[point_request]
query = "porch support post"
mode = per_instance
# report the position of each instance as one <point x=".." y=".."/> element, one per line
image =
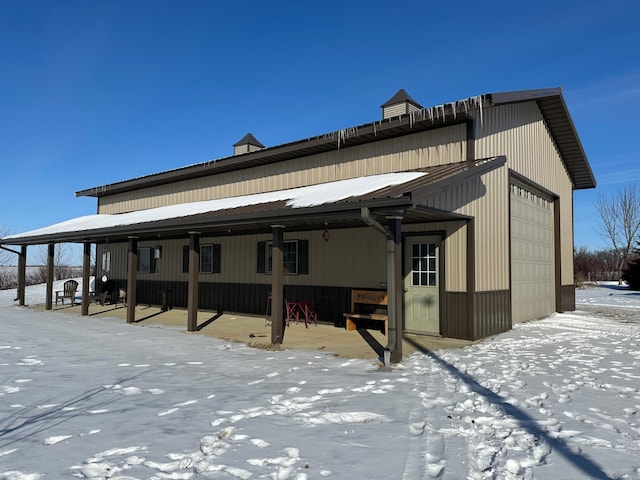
<point x="277" y="286"/>
<point x="132" y="277"/>
<point x="193" y="286"/>
<point x="86" y="271"/>
<point x="394" y="289"/>
<point x="22" y="274"/>
<point x="49" y="297"/>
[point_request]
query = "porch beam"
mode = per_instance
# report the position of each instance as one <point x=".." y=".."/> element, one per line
<point x="22" y="274"/>
<point x="277" y="286"/>
<point x="86" y="271"/>
<point x="132" y="278"/>
<point x="48" y="305"/>
<point x="193" y="286"/>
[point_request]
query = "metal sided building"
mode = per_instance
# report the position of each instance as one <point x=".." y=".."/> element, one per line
<point x="462" y="212"/>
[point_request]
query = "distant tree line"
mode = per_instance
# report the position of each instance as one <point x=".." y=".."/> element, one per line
<point x="597" y="266"/>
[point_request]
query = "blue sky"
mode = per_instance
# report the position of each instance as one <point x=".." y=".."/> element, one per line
<point x="94" y="92"/>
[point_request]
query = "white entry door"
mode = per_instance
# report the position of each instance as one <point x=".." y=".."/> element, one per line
<point x="422" y="284"/>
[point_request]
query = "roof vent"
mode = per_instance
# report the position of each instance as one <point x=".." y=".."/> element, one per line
<point x="246" y="144"/>
<point x="400" y="104"/>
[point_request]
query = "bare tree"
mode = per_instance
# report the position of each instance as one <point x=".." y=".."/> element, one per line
<point x="61" y="267"/>
<point x="620" y="222"/>
<point x="5" y="256"/>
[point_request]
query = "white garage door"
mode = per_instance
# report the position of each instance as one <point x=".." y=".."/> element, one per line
<point x="532" y="255"/>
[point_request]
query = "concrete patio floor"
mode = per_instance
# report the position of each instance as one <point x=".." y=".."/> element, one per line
<point x="254" y="331"/>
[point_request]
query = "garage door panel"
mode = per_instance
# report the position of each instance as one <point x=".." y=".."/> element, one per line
<point x="532" y="256"/>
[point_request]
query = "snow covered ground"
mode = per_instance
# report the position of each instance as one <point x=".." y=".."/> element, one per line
<point x="97" y="398"/>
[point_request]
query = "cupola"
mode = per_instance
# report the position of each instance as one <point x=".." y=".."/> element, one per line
<point x="247" y="144"/>
<point x="400" y="104"/>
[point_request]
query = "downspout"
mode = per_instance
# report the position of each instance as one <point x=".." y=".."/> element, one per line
<point x="392" y="287"/>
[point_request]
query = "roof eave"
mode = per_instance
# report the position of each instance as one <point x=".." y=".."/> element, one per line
<point x="556" y="114"/>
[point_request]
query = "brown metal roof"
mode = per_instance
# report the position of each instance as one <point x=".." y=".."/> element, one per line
<point x="406" y="197"/>
<point x="550" y="101"/>
<point x="248" y="139"/>
<point x="400" y="96"/>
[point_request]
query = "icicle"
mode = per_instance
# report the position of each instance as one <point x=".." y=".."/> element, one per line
<point x="480" y="105"/>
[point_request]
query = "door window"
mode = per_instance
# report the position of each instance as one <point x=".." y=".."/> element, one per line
<point x="424" y="264"/>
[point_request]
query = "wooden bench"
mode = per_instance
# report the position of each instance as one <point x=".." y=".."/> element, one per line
<point x="69" y="289"/>
<point x="368" y="311"/>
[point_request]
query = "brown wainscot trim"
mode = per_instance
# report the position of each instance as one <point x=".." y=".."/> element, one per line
<point x="246" y="298"/>
<point x="492" y="312"/>
<point x="454" y="316"/>
<point x="568" y="298"/>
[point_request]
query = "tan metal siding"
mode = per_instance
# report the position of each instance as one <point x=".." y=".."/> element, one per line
<point x="519" y="132"/>
<point x="454" y="247"/>
<point x="434" y="147"/>
<point x="486" y="200"/>
<point x="394" y="110"/>
<point x="351" y="257"/>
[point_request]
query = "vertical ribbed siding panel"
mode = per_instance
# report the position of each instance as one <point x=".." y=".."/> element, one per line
<point x="455" y="250"/>
<point x="434" y="147"/>
<point x="455" y="316"/>
<point x="519" y="132"/>
<point x="492" y="312"/>
<point x="486" y="200"/>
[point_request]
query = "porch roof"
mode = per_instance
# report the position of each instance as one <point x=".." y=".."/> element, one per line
<point x="334" y="204"/>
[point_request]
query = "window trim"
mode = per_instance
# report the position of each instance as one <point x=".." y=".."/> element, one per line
<point x="216" y="258"/>
<point x="268" y="267"/>
<point x="153" y="265"/>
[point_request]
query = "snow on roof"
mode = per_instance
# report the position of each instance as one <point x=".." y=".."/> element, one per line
<point x="301" y="197"/>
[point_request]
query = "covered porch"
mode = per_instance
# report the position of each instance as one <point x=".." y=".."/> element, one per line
<point x="253" y="331"/>
<point x="382" y="203"/>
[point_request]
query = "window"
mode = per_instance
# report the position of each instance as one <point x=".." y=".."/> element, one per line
<point x="146" y="262"/>
<point x="210" y="256"/>
<point x="295" y="257"/>
<point x="423" y="264"/>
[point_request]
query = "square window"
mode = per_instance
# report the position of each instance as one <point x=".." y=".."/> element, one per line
<point x="289" y="254"/>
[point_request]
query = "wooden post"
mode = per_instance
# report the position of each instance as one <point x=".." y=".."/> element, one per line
<point x="86" y="271"/>
<point x="277" y="283"/>
<point x="49" y="297"/>
<point x="132" y="278"/>
<point x="394" y="287"/>
<point x="22" y="274"/>
<point x="194" y="284"/>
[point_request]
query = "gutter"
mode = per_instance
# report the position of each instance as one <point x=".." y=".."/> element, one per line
<point x="392" y="286"/>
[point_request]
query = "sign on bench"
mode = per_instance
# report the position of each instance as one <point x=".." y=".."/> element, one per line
<point x="368" y="311"/>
